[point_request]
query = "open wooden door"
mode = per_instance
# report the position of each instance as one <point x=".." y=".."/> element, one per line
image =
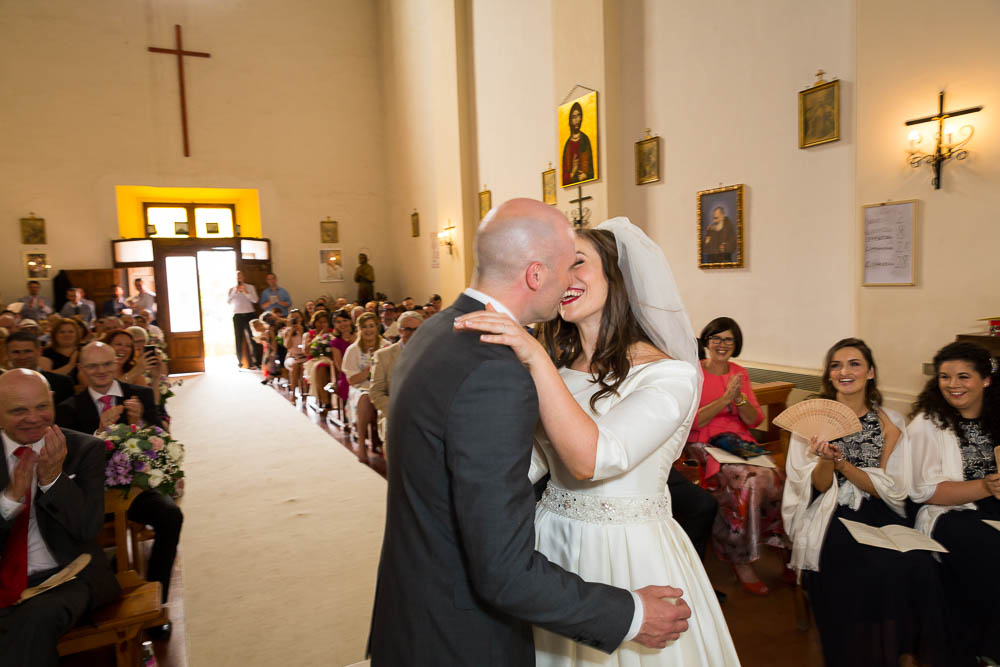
<point x="180" y="308"/>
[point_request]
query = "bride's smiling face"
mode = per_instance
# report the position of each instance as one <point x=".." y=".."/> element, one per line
<point x="588" y="290"/>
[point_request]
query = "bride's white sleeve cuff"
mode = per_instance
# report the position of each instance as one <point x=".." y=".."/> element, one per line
<point x="637" y="618"/>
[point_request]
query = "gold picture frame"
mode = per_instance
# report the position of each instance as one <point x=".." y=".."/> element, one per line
<point x="414" y="224"/>
<point x="329" y="231"/>
<point x="485" y="202"/>
<point x="720" y="240"/>
<point x="578" y="158"/>
<point x="819" y="113"/>
<point x="33" y="230"/>
<point x="549" y="186"/>
<point x="36" y="266"/>
<point x="647" y="160"/>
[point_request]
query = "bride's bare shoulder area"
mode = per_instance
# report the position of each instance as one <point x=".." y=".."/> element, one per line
<point x="644" y="353"/>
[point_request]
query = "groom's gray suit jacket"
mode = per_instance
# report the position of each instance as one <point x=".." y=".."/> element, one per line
<point x="459" y="582"/>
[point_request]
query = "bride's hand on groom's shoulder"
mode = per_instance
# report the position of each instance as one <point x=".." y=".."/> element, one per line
<point x="501" y="329"/>
<point x="665" y="615"/>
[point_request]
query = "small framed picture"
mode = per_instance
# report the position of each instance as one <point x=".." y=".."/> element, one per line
<point x="647" y="160"/>
<point x="181" y="228"/>
<point x="819" y="113"/>
<point x="721" y="228"/>
<point x="549" y="186"/>
<point x="331" y="265"/>
<point x="414" y="224"/>
<point x="36" y="265"/>
<point x="485" y="202"/>
<point x="211" y="228"/>
<point x="328" y="231"/>
<point x="33" y="230"/>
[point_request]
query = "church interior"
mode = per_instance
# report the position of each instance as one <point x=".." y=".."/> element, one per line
<point x="401" y="122"/>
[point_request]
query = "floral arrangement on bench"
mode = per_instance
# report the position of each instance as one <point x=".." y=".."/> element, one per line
<point x="148" y="458"/>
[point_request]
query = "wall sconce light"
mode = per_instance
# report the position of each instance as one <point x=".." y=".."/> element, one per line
<point x="446" y="237"/>
<point x="948" y="142"/>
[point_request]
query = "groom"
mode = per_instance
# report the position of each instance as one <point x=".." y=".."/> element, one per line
<point x="459" y="582"/>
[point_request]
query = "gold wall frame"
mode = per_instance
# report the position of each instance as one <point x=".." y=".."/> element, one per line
<point x="720" y="240"/>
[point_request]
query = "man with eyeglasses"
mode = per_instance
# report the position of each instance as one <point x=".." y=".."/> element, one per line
<point x="105" y="402"/>
<point x="383" y="363"/>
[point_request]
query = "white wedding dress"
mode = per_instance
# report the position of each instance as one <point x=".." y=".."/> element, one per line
<point x="618" y="528"/>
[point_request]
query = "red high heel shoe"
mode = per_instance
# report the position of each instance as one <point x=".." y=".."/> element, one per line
<point x="757" y="587"/>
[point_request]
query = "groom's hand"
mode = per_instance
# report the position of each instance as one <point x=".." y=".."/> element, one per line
<point x="664" y="619"/>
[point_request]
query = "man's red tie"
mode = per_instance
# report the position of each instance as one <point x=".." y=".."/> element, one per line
<point x="106" y="402"/>
<point x="14" y="561"/>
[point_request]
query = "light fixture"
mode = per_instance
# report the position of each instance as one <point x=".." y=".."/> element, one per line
<point x="446" y="237"/>
<point x="948" y="142"/>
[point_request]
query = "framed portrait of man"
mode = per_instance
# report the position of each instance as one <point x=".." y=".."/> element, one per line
<point x="721" y="228"/>
<point x="578" y="144"/>
<point x="331" y="265"/>
<point x="819" y="113"/>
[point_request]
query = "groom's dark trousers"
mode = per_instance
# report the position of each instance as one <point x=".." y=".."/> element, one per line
<point x="459" y="582"/>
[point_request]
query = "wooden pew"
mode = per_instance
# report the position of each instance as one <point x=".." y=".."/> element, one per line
<point x="773" y="397"/>
<point x="120" y="622"/>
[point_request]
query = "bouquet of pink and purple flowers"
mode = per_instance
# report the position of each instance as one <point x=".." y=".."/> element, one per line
<point x="320" y="346"/>
<point x="148" y="458"/>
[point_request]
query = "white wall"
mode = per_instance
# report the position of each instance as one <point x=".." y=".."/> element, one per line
<point x="718" y="81"/>
<point x="289" y="103"/>
<point x="904" y="60"/>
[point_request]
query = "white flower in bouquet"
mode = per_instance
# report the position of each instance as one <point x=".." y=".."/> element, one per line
<point x="132" y="446"/>
<point x="176" y="452"/>
<point x="156" y="478"/>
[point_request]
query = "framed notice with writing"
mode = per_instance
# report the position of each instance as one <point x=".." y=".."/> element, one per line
<point x="889" y="237"/>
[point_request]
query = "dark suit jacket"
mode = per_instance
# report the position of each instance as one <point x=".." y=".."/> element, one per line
<point x="80" y="414"/>
<point x="61" y="385"/>
<point x="459" y="582"/>
<point x="71" y="514"/>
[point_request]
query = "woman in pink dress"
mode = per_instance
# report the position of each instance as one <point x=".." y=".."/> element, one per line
<point x="749" y="496"/>
<point x="345" y="334"/>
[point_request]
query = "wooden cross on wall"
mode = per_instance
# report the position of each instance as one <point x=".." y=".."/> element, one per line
<point x="581" y="214"/>
<point x="180" y="53"/>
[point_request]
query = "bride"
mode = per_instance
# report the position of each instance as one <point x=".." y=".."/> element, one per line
<point x="618" y="390"/>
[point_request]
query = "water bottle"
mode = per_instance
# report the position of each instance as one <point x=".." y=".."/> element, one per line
<point x="148" y="657"/>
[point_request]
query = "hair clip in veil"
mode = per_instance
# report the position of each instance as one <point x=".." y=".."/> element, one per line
<point x="652" y="291"/>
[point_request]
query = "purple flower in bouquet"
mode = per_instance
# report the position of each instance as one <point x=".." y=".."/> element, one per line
<point x="118" y="471"/>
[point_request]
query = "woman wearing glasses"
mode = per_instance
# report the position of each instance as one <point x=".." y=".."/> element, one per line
<point x="749" y="496"/>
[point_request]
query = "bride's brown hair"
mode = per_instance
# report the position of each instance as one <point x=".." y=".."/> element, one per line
<point x="619" y="328"/>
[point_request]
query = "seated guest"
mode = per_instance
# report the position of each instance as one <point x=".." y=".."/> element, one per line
<point x="24" y="351"/>
<point x="749" y="497"/>
<point x="408" y="304"/>
<point x="356" y="312"/>
<point x="357" y="367"/>
<point x="115" y="305"/>
<point x="51" y="511"/>
<point x="107" y="401"/>
<point x="29" y="325"/>
<point x="36" y="307"/>
<point x="345" y="333"/>
<point x="954" y="429"/>
<point x="4" y="334"/>
<point x="129" y="366"/>
<point x="127" y="320"/>
<point x="371" y="307"/>
<point x="872" y="606"/>
<point x="291" y="336"/>
<point x="388" y="326"/>
<point x="339" y="304"/>
<point x="155" y="335"/>
<point x="104" y="324"/>
<point x="319" y="368"/>
<point x="76" y="306"/>
<point x="308" y="310"/>
<point x="9" y="320"/>
<point x="383" y="363"/>
<point x="60" y="356"/>
<point x="435" y="302"/>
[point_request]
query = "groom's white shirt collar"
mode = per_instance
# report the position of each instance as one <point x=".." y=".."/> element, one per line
<point x="486" y="298"/>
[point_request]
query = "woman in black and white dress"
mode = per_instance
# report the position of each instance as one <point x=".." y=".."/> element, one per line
<point x="872" y="606"/>
<point x="955" y="427"/>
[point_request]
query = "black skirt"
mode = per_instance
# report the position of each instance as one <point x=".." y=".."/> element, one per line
<point x="873" y="605"/>
<point x="970" y="575"/>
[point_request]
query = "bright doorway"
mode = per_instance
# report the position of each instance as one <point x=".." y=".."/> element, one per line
<point x="217" y="273"/>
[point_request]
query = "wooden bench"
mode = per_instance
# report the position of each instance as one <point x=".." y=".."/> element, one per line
<point x="773" y="397"/>
<point x="120" y="622"/>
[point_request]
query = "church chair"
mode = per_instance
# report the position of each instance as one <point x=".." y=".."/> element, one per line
<point x="120" y="622"/>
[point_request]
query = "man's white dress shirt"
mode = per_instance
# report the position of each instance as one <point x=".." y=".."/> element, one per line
<point x="39" y="556"/>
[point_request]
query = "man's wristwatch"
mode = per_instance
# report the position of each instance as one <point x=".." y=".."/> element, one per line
<point x="740" y="401"/>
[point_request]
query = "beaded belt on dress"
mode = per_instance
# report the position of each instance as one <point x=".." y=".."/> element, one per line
<point x="603" y="509"/>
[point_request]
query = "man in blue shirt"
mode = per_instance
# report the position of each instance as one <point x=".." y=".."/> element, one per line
<point x="274" y="297"/>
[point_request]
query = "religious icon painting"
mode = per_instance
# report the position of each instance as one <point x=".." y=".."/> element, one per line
<point x="328" y="232"/>
<point x="485" y="202"/>
<point x="819" y="113"/>
<point x="577" y="123"/>
<point x="721" y="228"/>
<point x="414" y="224"/>
<point x="647" y="160"/>
<point x="549" y="186"/>
<point x="33" y="230"/>
<point x="331" y="266"/>
<point x="36" y="265"/>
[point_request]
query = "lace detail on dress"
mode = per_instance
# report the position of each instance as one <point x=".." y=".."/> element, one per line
<point x="976" y="447"/>
<point x="602" y="509"/>
<point x="864" y="448"/>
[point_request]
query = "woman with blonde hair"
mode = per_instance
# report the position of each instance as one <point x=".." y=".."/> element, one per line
<point x="358" y="361"/>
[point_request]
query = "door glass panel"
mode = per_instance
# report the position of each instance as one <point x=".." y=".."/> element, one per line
<point x="253" y="249"/>
<point x="214" y="222"/>
<point x="182" y="294"/>
<point x="171" y="222"/>
<point x="134" y="251"/>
